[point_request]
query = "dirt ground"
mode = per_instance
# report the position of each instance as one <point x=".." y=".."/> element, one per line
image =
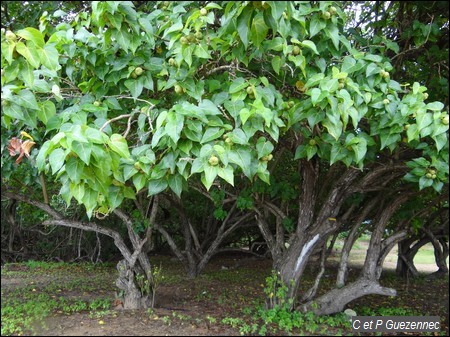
<point x="192" y="307"/>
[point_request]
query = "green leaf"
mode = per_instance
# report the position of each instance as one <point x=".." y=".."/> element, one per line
<point x="337" y="153"/>
<point x="210" y="174"/>
<point x="77" y="191"/>
<point x="435" y="106"/>
<point x="30" y="54"/>
<point x="259" y="29"/>
<point x="139" y="181"/>
<point x="243" y="22"/>
<point x="122" y="37"/>
<point x="425" y="182"/>
<point x="156" y="186"/>
<point x="174" y="125"/>
<point x="211" y="134"/>
<point x="413" y="132"/>
<point x="315" y="94"/>
<point x="242" y="158"/>
<point x="49" y="57"/>
<point x="276" y="64"/>
<point x="56" y="159"/>
<point x="201" y="51"/>
<point x="176" y="184"/>
<point x="74" y="169"/>
<point x="95" y="136"/>
<point x="26" y="99"/>
<point x="310" y="151"/>
<point x="32" y="34"/>
<point x="115" y="196"/>
<point x="238" y="85"/>
<point x="333" y="32"/>
<point x="135" y="86"/>
<point x="360" y="149"/>
<point x="238" y="137"/>
<point x="47" y="111"/>
<point x="316" y="25"/>
<point x="263" y="147"/>
<point x="119" y="145"/>
<point x="311" y="45"/>
<point x="245" y="114"/>
<point x="334" y="129"/>
<point x="83" y="150"/>
<point x="227" y="174"/>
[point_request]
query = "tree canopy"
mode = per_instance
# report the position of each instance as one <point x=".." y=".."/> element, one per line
<point x="124" y="100"/>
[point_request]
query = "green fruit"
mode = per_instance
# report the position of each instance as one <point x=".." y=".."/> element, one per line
<point x="425" y="95"/>
<point x="229" y="141"/>
<point x="133" y="75"/>
<point x="407" y="126"/>
<point x="139" y="71"/>
<point x="433" y="176"/>
<point x="178" y="89"/>
<point x="191" y="37"/>
<point x="250" y="90"/>
<point x="203" y="11"/>
<point x="341" y="85"/>
<point x="312" y="142"/>
<point x="97" y="103"/>
<point x="296" y="50"/>
<point x="291" y="104"/>
<point x="428" y="175"/>
<point x="183" y="40"/>
<point x="270" y="157"/>
<point x="326" y="15"/>
<point x="213" y="161"/>
<point x="10" y="36"/>
<point x="199" y="35"/>
<point x="332" y="10"/>
<point x="386" y="101"/>
<point x="445" y="120"/>
<point x="172" y="62"/>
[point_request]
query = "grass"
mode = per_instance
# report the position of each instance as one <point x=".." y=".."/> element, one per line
<point x="47" y="288"/>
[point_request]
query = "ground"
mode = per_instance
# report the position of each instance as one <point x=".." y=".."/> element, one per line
<point x="79" y="300"/>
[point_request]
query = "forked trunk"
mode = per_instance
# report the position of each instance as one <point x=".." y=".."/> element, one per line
<point x="134" y="285"/>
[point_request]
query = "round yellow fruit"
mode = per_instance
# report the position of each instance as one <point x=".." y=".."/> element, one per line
<point x="203" y="11"/>
<point x="178" y="89"/>
<point x="96" y="103"/>
<point x="10" y="36"/>
<point x="213" y="161"/>
<point x="139" y="71"/>
<point x="326" y="15"/>
<point x="296" y="50"/>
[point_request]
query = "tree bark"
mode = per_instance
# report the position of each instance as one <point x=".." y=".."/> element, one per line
<point x="336" y="299"/>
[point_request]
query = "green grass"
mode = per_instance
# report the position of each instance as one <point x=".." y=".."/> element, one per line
<point x="47" y="288"/>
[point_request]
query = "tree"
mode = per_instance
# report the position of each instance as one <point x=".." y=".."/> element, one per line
<point x="117" y="103"/>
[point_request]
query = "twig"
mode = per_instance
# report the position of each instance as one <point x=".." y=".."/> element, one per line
<point x="113" y="120"/>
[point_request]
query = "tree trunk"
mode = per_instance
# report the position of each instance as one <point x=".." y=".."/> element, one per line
<point x="336" y="299"/>
<point x="135" y="288"/>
